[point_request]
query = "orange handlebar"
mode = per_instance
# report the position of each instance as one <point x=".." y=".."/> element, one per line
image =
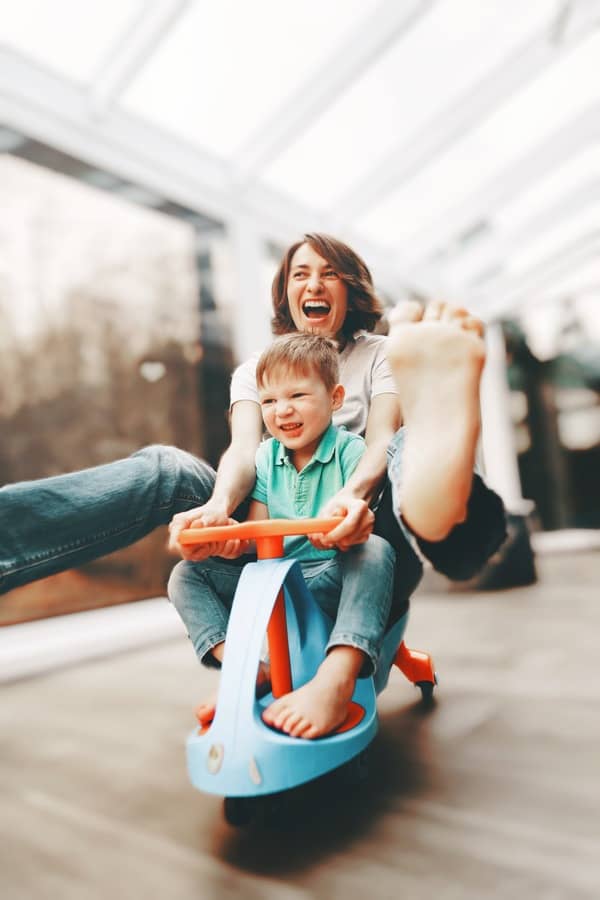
<point x="259" y="529"/>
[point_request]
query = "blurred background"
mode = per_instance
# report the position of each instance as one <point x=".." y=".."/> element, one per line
<point x="156" y="157"/>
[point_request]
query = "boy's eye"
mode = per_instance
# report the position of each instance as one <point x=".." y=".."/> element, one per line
<point x="297" y="395"/>
<point x="267" y="401"/>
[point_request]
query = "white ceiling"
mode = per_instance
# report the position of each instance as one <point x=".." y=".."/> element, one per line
<point x="456" y="143"/>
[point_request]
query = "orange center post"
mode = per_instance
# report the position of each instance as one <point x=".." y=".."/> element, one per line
<point x="268" y="535"/>
<point x="279" y="651"/>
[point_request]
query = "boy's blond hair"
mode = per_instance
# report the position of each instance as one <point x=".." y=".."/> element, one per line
<point x="300" y="353"/>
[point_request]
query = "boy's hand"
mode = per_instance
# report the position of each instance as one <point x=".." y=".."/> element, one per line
<point x="355" y="529"/>
<point x="202" y="517"/>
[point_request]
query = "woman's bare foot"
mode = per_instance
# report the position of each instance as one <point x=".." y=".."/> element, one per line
<point x="205" y="712"/>
<point x="321" y="705"/>
<point x="437" y="357"/>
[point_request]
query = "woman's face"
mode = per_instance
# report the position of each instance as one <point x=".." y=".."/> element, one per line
<point x="317" y="295"/>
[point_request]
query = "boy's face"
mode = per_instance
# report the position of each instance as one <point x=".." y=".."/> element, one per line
<point x="297" y="407"/>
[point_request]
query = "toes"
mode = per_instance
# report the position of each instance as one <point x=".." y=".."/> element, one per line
<point x="311" y="733"/>
<point x="205" y="713"/>
<point x="285" y="721"/>
<point x="295" y="725"/>
<point x="276" y="714"/>
<point x="434" y="311"/>
<point x="440" y="311"/>
<point x="306" y="730"/>
<point x="455" y="314"/>
<point x="470" y="323"/>
<point x="407" y="311"/>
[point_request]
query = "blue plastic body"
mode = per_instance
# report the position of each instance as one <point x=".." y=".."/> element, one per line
<point x="241" y="756"/>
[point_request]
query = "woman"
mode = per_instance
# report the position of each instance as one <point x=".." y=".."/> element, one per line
<point x="442" y="510"/>
<point x="436" y="359"/>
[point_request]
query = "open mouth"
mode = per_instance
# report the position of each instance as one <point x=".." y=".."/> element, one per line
<point x="291" y="427"/>
<point x="316" y="309"/>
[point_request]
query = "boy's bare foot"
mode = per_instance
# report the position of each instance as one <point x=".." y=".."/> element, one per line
<point x="205" y="712"/>
<point x="437" y="357"/>
<point x="321" y="705"/>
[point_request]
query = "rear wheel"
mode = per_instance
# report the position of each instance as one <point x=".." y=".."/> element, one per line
<point x="356" y="770"/>
<point x="268" y="809"/>
<point x="427" y="688"/>
<point x="239" y="811"/>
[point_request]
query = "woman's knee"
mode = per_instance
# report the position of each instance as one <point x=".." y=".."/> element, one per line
<point x="181" y="479"/>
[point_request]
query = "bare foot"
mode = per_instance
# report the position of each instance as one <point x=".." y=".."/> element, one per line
<point x="437" y="357"/>
<point x="321" y="705"/>
<point x="205" y="712"/>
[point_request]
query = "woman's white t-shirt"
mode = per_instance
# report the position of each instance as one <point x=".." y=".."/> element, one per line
<point x="364" y="372"/>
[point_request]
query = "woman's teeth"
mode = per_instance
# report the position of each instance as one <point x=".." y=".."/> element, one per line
<point x="315" y="308"/>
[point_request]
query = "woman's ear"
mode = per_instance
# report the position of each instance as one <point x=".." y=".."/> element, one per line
<point x="337" y="396"/>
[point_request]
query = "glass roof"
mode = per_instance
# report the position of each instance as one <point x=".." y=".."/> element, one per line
<point x="404" y="91"/>
<point x="452" y="138"/>
<point x="221" y="72"/>
<point x="67" y="36"/>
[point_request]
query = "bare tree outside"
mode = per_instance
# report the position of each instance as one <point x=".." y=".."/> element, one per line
<point x="100" y="348"/>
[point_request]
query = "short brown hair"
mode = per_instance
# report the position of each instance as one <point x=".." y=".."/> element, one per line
<point x="301" y="353"/>
<point x="364" y="307"/>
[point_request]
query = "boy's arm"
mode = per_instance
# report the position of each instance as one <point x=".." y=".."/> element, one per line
<point x="352" y="501"/>
<point x="235" y="478"/>
<point x="257" y="511"/>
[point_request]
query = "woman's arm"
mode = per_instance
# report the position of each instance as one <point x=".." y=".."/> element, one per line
<point x="235" y="479"/>
<point x="353" y="500"/>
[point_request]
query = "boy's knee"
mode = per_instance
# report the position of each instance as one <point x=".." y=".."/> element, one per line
<point x="380" y="549"/>
<point x="177" y="578"/>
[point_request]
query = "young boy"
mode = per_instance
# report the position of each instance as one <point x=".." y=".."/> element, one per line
<point x="304" y="463"/>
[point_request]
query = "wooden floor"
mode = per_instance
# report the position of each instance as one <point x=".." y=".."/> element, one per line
<point x="493" y="794"/>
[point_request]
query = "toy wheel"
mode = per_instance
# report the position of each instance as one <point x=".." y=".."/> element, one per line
<point x="239" y="811"/>
<point x="274" y="809"/>
<point x="427" y="688"/>
<point x="356" y="770"/>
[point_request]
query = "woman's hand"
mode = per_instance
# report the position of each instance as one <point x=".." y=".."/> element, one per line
<point x="203" y="517"/>
<point x="355" y="529"/>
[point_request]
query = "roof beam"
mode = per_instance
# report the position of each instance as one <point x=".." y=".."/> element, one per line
<point x="464" y="115"/>
<point x="132" y="50"/>
<point x="569" y="138"/>
<point x="491" y="251"/>
<point x="367" y="42"/>
<point x="503" y="294"/>
<point x="51" y="109"/>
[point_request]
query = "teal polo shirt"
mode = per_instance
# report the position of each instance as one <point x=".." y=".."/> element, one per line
<point x="289" y="494"/>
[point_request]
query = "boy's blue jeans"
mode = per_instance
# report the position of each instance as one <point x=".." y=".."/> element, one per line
<point x="53" y="524"/>
<point x="353" y="588"/>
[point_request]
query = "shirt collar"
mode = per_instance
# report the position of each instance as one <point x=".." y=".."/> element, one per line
<point x="323" y="453"/>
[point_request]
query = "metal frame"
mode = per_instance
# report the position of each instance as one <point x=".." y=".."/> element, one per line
<point x="89" y="125"/>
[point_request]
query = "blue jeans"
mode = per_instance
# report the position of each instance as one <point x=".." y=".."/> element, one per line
<point x="354" y="589"/>
<point x="53" y="524"/>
